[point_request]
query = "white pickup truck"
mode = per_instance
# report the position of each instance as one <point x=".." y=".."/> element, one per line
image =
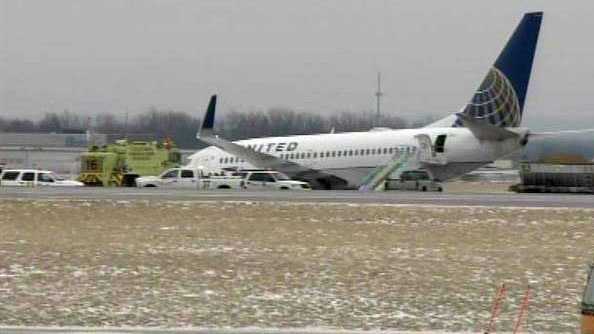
<point x="190" y="179"/>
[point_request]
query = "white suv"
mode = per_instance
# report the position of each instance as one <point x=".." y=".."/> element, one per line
<point x="270" y="180"/>
<point x="33" y="178"/>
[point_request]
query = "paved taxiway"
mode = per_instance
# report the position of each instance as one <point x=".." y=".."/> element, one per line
<point x="394" y="197"/>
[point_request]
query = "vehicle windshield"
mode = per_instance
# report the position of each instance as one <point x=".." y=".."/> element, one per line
<point x="169" y="174"/>
<point x="281" y="177"/>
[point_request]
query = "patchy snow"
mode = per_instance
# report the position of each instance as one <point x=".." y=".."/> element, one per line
<point x="288" y="265"/>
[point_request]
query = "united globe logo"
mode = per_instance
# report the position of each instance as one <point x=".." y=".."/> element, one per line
<point x="495" y="102"/>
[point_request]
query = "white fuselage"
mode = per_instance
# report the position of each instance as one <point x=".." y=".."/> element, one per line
<point x="353" y="155"/>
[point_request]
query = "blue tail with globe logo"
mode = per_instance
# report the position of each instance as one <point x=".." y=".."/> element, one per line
<point x="499" y="100"/>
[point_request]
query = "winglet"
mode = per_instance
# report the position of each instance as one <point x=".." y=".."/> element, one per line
<point x="208" y="122"/>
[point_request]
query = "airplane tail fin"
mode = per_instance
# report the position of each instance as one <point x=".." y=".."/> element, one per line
<point x="499" y="100"/>
<point x="208" y="122"/>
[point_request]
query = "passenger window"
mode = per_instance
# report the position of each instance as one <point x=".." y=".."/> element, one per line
<point x="315" y="155"/>
<point x="308" y="155"/>
<point x="339" y="153"/>
<point x="367" y="151"/>
<point x="385" y="150"/>
<point x="187" y="173"/>
<point x="10" y="176"/>
<point x="44" y="177"/>
<point x="28" y="177"/>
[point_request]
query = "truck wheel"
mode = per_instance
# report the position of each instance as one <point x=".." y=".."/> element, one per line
<point x="424" y="188"/>
<point x="150" y="186"/>
<point x="284" y="188"/>
<point x="224" y="187"/>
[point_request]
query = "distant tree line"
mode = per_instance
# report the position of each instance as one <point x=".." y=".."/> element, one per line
<point x="181" y="127"/>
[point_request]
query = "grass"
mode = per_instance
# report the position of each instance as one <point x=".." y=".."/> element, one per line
<point x="99" y="263"/>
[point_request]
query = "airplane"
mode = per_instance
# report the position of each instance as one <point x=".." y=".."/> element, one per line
<point x="484" y="130"/>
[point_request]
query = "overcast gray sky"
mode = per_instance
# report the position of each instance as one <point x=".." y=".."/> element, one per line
<point x="321" y="56"/>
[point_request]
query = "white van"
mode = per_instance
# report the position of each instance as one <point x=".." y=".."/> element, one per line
<point x="33" y="178"/>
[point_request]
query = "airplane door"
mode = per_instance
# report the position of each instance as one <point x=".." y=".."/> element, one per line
<point x="440" y="144"/>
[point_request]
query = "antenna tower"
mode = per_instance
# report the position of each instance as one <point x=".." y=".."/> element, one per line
<point x="378" y="95"/>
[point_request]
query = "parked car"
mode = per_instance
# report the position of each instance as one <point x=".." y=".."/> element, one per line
<point x="34" y="178"/>
<point x="418" y="180"/>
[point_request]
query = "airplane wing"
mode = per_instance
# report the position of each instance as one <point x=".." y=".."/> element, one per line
<point x="263" y="160"/>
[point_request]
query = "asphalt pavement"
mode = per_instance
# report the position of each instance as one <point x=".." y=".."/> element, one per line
<point x="316" y="196"/>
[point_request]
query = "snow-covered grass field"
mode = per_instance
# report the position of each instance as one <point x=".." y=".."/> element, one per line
<point x="248" y="264"/>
